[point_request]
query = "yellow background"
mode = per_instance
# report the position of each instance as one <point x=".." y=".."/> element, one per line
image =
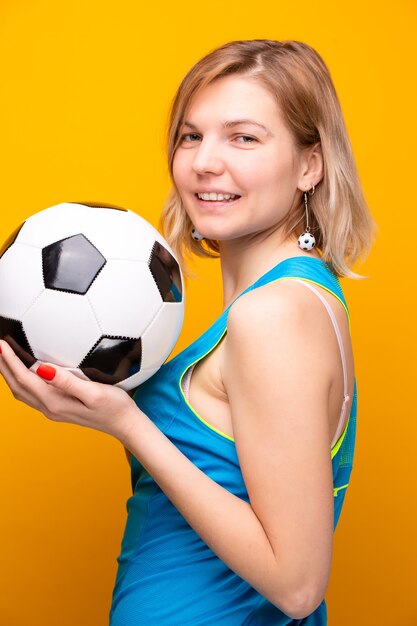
<point x="84" y="94"/>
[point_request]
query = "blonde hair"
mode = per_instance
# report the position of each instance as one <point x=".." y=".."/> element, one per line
<point x="300" y="81"/>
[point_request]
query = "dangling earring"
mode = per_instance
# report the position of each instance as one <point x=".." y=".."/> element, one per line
<point x="196" y="235"/>
<point x="306" y="240"/>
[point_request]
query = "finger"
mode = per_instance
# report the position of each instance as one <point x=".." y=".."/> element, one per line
<point x="7" y="354"/>
<point x="13" y="375"/>
<point x="18" y="391"/>
<point x="9" y="379"/>
<point x="85" y="391"/>
<point x="65" y="383"/>
<point x="14" y="367"/>
<point x="27" y="387"/>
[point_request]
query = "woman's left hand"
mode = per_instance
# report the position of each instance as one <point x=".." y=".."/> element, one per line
<point x="67" y="398"/>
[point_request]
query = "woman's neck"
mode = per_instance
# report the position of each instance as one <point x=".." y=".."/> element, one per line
<point x="243" y="262"/>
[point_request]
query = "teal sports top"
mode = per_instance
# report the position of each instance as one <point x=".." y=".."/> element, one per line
<point x="167" y="575"/>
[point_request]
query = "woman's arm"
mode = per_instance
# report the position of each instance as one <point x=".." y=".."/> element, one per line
<point x="128" y="455"/>
<point x="277" y="385"/>
<point x="280" y="361"/>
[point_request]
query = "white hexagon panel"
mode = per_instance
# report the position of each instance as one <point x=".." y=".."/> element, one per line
<point x="158" y="339"/>
<point x="20" y="279"/>
<point x="61" y="328"/>
<point x="95" y="289"/>
<point x="129" y="306"/>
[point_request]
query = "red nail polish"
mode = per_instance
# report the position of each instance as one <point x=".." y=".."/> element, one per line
<point x="0" y="349"/>
<point x="46" y="371"/>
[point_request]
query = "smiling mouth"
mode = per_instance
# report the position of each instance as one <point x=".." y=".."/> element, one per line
<point x="217" y="198"/>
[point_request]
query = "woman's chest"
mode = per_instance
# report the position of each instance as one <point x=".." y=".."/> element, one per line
<point x="206" y="391"/>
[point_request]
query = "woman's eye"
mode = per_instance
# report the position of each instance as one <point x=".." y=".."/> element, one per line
<point x="246" y="139"/>
<point x="190" y="137"/>
<point x="194" y="137"/>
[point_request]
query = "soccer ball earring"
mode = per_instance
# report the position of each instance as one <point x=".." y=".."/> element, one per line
<point x="306" y="240"/>
<point x="196" y="235"/>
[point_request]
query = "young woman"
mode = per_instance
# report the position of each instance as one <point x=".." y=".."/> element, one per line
<point x="242" y="445"/>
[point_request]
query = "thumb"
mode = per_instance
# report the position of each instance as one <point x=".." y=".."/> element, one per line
<point x="47" y="372"/>
<point x="67" y="382"/>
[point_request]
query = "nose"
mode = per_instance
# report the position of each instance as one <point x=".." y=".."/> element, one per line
<point x="208" y="158"/>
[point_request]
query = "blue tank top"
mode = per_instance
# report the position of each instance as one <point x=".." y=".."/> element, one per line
<point x="167" y="576"/>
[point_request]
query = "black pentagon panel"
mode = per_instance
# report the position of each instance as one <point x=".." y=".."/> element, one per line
<point x="12" y="332"/>
<point x="71" y="264"/>
<point x="166" y="273"/>
<point x="10" y="240"/>
<point x="100" y="206"/>
<point x="113" y="359"/>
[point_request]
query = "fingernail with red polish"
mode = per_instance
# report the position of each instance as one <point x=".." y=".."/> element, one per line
<point x="46" y="371"/>
<point x="0" y="349"/>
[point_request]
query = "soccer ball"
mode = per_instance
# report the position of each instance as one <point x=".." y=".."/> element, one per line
<point x="306" y="241"/>
<point x="94" y="289"/>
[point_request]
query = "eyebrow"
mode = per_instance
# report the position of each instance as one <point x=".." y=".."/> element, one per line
<point x="232" y="123"/>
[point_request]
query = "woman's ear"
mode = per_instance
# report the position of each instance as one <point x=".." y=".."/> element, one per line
<point x="312" y="167"/>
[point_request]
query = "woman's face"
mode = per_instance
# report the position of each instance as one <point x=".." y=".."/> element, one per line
<point x="235" y="142"/>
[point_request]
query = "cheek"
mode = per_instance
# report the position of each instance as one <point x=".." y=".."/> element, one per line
<point x="267" y="172"/>
<point x="175" y="171"/>
<point x="178" y="169"/>
<point x="271" y="162"/>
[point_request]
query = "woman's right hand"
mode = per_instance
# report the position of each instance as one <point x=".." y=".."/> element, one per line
<point x="63" y="397"/>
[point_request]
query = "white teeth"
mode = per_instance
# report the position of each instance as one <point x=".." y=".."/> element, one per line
<point x="216" y="196"/>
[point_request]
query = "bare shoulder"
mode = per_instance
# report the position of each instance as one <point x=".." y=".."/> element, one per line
<point x="282" y="310"/>
<point x="280" y="337"/>
<point x="283" y="301"/>
<point x="283" y="329"/>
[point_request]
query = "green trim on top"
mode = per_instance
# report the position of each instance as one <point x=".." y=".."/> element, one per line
<point x="339" y="442"/>
<point x="336" y="447"/>
<point x="219" y="432"/>
<point x="337" y="489"/>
